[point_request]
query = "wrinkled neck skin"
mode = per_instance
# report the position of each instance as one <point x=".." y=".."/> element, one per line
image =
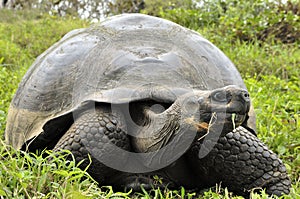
<point x="158" y="129"/>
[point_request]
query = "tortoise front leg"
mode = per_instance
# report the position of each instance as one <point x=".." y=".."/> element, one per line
<point x="241" y="162"/>
<point x="97" y="132"/>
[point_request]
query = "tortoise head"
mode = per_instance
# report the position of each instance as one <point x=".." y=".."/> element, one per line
<point x="225" y="108"/>
<point x="228" y="106"/>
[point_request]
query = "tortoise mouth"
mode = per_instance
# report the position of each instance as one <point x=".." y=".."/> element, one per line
<point x="208" y="119"/>
<point x="226" y="117"/>
<point x="214" y="118"/>
<point x="234" y="112"/>
<point x="237" y="118"/>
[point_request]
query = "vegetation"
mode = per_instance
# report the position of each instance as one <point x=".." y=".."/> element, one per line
<point x="260" y="37"/>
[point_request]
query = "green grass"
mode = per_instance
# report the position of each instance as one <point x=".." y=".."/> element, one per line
<point x="270" y="70"/>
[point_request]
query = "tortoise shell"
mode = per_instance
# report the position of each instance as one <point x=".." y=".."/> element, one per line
<point x="126" y="58"/>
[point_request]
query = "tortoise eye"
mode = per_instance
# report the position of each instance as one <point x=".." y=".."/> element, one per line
<point x="220" y="96"/>
<point x="200" y="100"/>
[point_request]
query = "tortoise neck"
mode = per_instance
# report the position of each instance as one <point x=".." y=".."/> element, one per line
<point x="158" y="129"/>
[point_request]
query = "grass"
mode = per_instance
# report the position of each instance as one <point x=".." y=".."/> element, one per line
<point x="270" y="70"/>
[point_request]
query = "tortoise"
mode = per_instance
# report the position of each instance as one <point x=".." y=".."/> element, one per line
<point x="146" y="99"/>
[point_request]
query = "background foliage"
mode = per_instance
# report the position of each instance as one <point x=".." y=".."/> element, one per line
<point x="260" y="36"/>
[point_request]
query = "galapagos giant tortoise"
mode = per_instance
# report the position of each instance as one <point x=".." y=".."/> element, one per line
<point x="145" y="98"/>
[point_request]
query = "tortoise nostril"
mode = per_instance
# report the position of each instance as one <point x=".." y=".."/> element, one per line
<point x="245" y="96"/>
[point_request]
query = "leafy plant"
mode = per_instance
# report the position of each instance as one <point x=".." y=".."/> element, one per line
<point x="248" y="21"/>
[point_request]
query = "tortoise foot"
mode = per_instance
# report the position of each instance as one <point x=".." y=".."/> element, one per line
<point x="137" y="182"/>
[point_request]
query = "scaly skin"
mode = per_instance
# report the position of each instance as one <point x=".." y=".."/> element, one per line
<point x="91" y="133"/>
<point x="241" y="162"/>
